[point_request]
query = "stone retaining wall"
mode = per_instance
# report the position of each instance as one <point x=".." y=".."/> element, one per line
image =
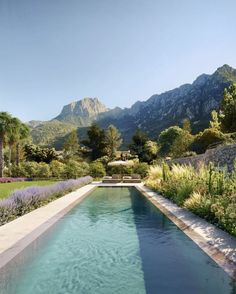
<point x="221" y="156"/>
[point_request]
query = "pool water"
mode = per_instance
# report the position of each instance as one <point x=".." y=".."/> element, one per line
<point x="116" y="241"/>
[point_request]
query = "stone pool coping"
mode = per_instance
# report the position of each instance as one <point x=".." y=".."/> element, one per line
<point x="218" y="244"/>
<point x="16" y="235"/>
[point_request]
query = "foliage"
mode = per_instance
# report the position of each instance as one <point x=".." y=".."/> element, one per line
<point x="186" y="126"/>
<point x="137" y="145"/>
<point x="104" y="160"/>
<point x="71" y="145"/>
<point x="121" y="169"/>
<point x="57" y="168"/>
<point x="208" y="192"/>
<point x="40" y="154"/>
<point x="167" y="139"/>
<point x="11" y="132"/>
<point x="189" y="153"/>
<point x="96" y="141"/>
<point x="112" y="141"/>
<point x="43" y="170"/>
<point x="25" y="200"/>
<point x="28" y="169"/>
<point x="74" y="169"/>
<point x="150" y="151"/>
<point x="215" y="123"/>
<point x="181" y="144"/>
<point x="228" y="110"/>
<point x="207" y="138"/>
<point x="51" y="133"/>
<point x="138" y="168"/>
<point x="97" y="170"/>
<point x="141" y="169"/>
<point x="200" y="205"/>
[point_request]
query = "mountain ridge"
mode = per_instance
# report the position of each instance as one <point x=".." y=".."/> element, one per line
<point x="194" y="101"/>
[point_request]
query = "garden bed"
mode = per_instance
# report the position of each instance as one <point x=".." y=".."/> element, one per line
<point x="208" y="192"/>
<point x="25" y="200"/>
<point x="7" y="188"/>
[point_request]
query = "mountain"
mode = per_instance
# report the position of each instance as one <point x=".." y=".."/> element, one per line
<point x="194" y="101"/>
<point x="83" y="112"/>
<point x="74" y="115"/>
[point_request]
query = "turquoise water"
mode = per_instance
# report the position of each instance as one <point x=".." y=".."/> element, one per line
<point x="115" y="241"/>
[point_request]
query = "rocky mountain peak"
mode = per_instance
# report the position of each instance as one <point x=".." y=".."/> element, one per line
<point x="82" y="112"/>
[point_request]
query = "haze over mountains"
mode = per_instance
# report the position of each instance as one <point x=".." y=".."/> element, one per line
<point x="194" y="101"/>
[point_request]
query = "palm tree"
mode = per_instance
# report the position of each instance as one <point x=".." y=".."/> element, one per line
<point x="13" y="135"/>
<point x="23" y="134"/>
<point x="5" y="127"/>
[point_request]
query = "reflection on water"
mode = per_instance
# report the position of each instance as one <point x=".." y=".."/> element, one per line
<point x="115" y="241"/>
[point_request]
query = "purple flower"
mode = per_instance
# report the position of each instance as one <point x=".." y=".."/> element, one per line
<point x="25" y="200"/>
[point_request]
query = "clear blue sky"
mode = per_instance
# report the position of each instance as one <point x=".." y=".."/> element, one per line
<point x="53" y="52"/>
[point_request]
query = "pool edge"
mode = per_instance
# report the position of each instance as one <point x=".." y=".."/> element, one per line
<point x="190" y="224"/>
<point x="14" y="248"/>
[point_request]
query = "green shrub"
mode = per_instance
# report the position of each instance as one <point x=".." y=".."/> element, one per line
<point x="57" y="168"/>
<point x="43" y="170"/>
<point x="200" y="205"/>
<point x="30" y="168"/>
<point x="97" y="170"/>
<point x="18" y="171"/>
<point x="141" y="168"/>
<point x="208" y="192"/>
<point x="121" y="169"/>
<point x="224" y="210"/>
<point x="74" y="169"/>
<point x="207" y="138"/>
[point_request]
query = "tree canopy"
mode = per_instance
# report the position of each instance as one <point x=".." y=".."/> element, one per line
<point x="137" y="145"/>
<point x="112" y="141"/>
<point x="228" y="110"/>
<point x="96" y="141"/>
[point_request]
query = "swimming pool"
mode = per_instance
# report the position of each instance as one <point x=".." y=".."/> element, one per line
<point x="115" y="241"/>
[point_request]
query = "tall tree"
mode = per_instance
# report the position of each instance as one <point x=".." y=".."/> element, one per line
<point x="96" y="141"/>
<point x="137" y="145"/>
<point x="13" y="135"/>
<point x="151" y="149"/>
<point x="71" y="145"/>
<point x="5" y="128"/>
<point x="228" y="110"/>
<point x="23" y="134"/>
<point x="113" y="141"/>
<point x="167" y="139"/>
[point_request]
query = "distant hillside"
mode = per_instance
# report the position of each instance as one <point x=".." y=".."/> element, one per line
<point x="194" y="101"/>
<point x="51" y="133"/>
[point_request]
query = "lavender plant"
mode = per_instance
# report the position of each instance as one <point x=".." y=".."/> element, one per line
<point x="26" y="200"/>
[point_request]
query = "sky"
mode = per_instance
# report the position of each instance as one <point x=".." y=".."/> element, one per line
<point x="53" y="52"/>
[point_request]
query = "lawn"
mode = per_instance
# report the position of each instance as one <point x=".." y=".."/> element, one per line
<point x="7" y="188"/>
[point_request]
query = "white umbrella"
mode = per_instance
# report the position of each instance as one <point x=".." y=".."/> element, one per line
<point x="121" y="162"/>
